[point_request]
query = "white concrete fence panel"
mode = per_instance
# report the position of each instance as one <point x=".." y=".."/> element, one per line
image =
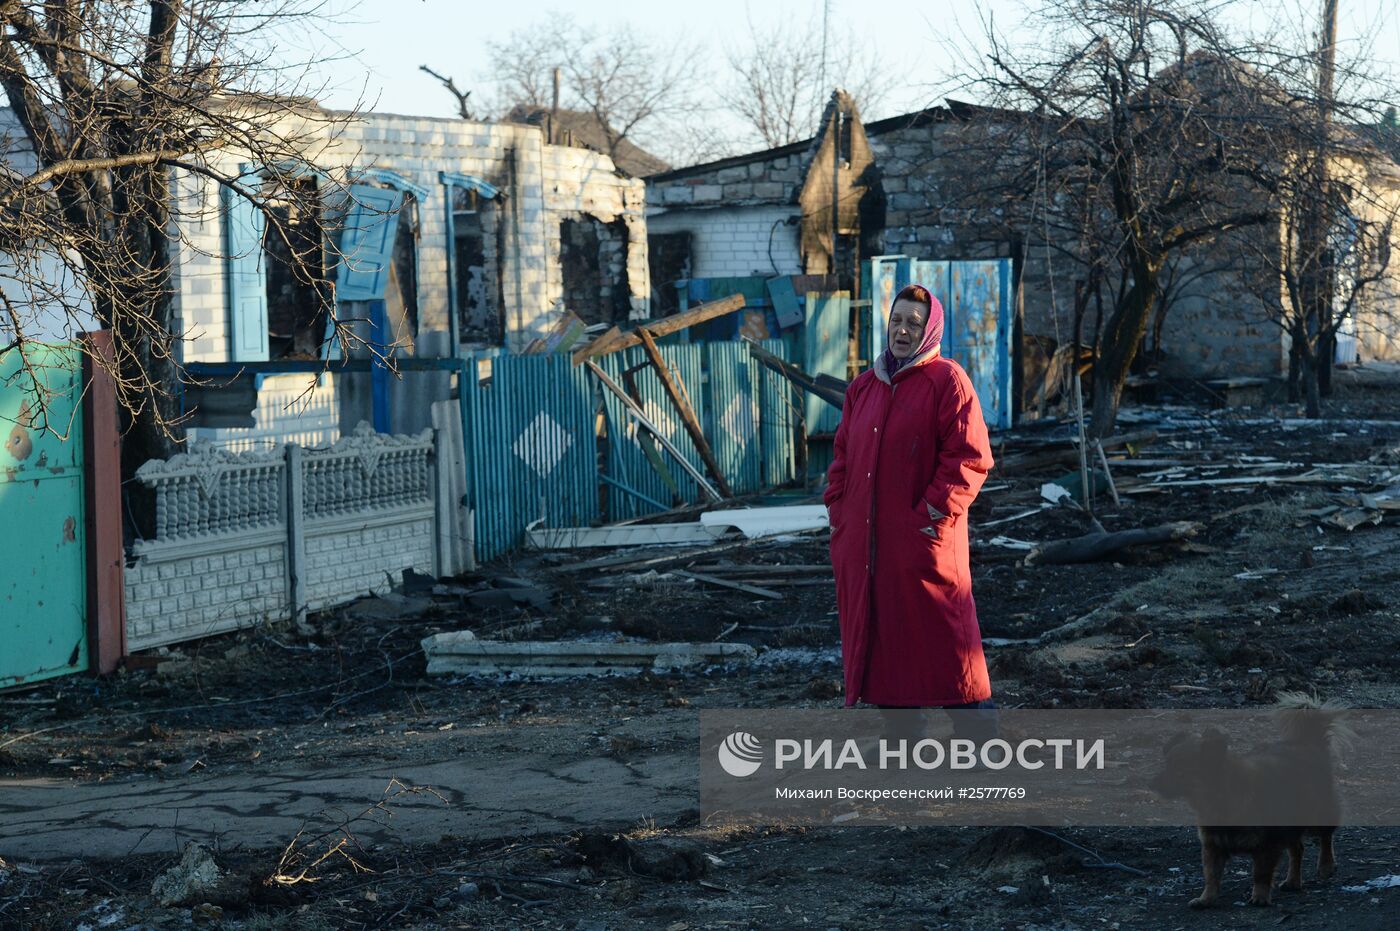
<point x="248" y="538"/>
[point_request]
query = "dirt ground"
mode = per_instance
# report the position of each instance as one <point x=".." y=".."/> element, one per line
<point x="1267" y="597"/>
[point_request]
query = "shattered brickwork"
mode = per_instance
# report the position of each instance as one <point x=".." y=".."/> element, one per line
<point x="540" y="184"/>
<point x="581" y="186"/>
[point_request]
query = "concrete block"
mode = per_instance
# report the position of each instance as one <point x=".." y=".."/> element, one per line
<point x="708" y="193"/>
<point x="460" y="653"/>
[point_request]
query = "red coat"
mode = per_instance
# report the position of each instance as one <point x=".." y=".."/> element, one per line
<point x="909" y="633"/>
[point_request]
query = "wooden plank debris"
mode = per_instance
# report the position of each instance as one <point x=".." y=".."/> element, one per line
<point x="1095" y="546"/>
<point x="615" y="340"/>
<point x="727" y="583"/>
<point x="682" y="405"/>
<point x="635" y="410"/>
<point x="571" y="538"/>
<point x="827" y="387"/>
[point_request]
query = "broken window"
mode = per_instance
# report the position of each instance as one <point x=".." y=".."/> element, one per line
<point x="475" y="257"/>
<point x="593" y="257"/>
<point x="406" y="259"/>
<point x="668" y="256"/>
<point x="297" y="284"/>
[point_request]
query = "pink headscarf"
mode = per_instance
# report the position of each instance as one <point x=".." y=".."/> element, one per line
<point x="933" y="327"/>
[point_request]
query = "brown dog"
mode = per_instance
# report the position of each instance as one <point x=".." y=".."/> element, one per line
<point x="1221" y="786"/>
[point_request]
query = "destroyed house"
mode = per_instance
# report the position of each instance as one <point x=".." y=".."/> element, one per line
<point x="756" y="215"/>
<point x="474" y="235"/>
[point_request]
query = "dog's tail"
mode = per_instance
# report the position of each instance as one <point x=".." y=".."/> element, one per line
<point x="1308" y="720"/>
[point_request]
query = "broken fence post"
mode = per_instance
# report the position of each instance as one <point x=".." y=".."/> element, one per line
<point x="682" y="406"/>
<point x="296" y="533"/>
<point x="651" y="428"/>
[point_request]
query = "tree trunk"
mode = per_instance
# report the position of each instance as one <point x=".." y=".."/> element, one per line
<point x="140" y="318"/>
<point x="1326" y="355"/>
<point x="1294" y="366"/>
<point x="1312" y="396"/>
<point x="1122" y="337"/>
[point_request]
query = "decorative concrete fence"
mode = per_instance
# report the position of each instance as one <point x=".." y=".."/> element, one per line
<point x="244" y="538"/>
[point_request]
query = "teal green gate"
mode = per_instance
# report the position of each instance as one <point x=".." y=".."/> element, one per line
<point x="43" y="582"/>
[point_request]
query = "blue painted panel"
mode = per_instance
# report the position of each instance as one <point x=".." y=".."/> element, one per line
<point x="826" y="350"/>
<point x="397" y="181"/>
<point x="882" y="279"/>
<point x="734" y="408"/>
<point x="785" y="306"/>
<point x="367" y="243"/>
<point x="472" y="182"/>
<point x="43" y="586"/>
<point x="979" y="338"/>
<point x="245" y="273"/>
<point x="936" y="277"/>
<point x="531" y="450"/>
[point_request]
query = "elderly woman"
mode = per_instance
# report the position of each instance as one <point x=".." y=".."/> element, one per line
<point x="911" y="453"/>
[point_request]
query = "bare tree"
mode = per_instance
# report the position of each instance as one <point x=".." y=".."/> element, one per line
<point x="633" y="88"/>
<point x="463" y="108"/>
<point x="1116" y="137"/>
<point x="109" y="104"/>
<point x="782" y="76"/>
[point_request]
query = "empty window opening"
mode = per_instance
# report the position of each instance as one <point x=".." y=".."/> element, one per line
<point x="475" y="261"/>
<point x="297" y="283"/>
<point x="401" y="287"/>
<point x="668" y="256"/>
<point x="593" y="257"/>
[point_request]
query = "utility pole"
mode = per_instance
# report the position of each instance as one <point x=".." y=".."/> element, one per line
<point x="1326" y="80"/>
<point x="822" y="90"/>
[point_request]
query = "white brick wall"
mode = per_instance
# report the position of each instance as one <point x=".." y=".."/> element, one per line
<point x="300" y="409"/>
<point x="182" y="591"/>
<point x="345" y="561"/>
<point x="734" y="241"/>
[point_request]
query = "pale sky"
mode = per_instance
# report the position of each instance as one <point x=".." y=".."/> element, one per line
<point x="381" y="43"/>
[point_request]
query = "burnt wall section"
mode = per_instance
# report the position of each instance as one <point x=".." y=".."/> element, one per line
<point x="586" y="201"/>
<point x="593" y="265"/>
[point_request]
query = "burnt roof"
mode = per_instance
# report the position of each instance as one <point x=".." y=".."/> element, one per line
<point x="874" y="128"/>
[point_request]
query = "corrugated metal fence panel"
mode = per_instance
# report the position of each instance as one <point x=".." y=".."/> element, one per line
<point x="43" y="587"/>
<point x="778" y="407"/>
<point x="734" y="408"/>
<point x="979" y="337"/>
<point x="532" y="451"/>
<point x="827" y="348"/>
<point x="627" y="462"/>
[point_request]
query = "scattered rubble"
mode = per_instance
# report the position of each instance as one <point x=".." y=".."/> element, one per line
<point x="187" y="881"/>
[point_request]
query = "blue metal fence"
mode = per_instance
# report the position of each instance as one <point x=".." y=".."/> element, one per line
<point x="531" y="448"/>
<point x="779" y="415"/>
<point x="735" y="416"/>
